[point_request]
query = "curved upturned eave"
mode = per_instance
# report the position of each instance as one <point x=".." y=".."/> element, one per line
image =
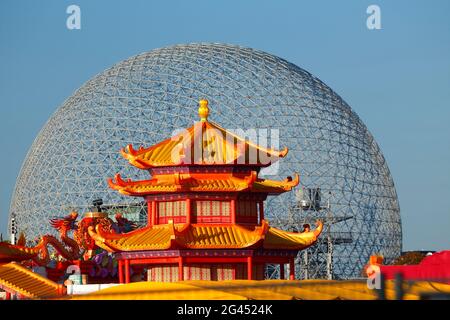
<point x="204" y="236"/>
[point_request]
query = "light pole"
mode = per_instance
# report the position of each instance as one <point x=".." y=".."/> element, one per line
<point x="13" y="230"/>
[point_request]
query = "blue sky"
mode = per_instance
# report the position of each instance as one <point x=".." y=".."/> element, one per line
<point x="397" y="79"/>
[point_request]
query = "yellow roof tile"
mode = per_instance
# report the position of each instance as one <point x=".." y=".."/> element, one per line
<point x="207" y="236"/>
<point x="202" y="182"/>
<point x="181" y="182"/>
<point x="158" y="291"/>
<point x="27" y="283"/>
<point x="247" y="289"/>
<point x="149" y="238"/>
<point x="217" y="237"/>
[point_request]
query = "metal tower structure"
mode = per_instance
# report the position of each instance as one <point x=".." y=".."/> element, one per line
<point x="143" y="99"/>
<point x="317" y="261"/>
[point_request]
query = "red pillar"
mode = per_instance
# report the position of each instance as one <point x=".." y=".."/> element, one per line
<point x="8" y="295"/>
<point x="120" y="267"/>
<point x="282" y="271"/>
<point x="127" y="271"/>
<point x="153" y="212"/>
<point x="188" y="211"/>
<point x="233" y="211"/>
<point x="149" y="212"/>
<point x="180" y="269"/>
<point x="291" y="269"/>
<point x="249" y="268"/>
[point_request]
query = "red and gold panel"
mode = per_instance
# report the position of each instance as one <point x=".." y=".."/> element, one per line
<point x="211" y="211"/>
<point x="171" y="210"/>
<point x="204" y="271"/>
<point x="162" y="273"/>
<point x="223" y="272"/>
<point x="199" y="272"/>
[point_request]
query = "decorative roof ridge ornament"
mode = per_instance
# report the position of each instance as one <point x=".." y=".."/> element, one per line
<point x="319" y="228"/>
<point x="203" y="110"/>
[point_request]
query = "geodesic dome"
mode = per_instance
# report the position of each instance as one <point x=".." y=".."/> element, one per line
<point x="143" y="99"/>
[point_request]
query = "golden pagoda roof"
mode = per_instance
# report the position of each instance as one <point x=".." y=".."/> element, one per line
<point x="201" y="182"/>
<point x="205" y="143"/>
<point x="204" y="236"/>
<point x="27" y="283"/>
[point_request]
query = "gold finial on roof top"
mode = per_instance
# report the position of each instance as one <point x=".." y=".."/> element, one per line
<point x="203" y="109"/>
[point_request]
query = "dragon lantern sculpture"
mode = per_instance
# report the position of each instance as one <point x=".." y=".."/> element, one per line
<point x="68" y="248"/>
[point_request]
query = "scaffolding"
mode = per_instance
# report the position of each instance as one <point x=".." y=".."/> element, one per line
<point x="316" y="262"/>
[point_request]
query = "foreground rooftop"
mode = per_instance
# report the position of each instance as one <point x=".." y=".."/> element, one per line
<point x="258" y="290"/>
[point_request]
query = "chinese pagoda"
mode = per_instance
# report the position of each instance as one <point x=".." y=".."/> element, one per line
<point x="205" y="209"/>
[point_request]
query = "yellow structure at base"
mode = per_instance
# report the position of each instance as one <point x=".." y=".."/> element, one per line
<point x="258" y="290"/>
<point x="19" y="279"/>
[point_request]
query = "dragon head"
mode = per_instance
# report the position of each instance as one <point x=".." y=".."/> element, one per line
<point x="65" y="223"/>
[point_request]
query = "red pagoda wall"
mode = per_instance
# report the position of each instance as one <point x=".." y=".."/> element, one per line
<point x="247" y="211"/>
<point x="211" y="211"/>
<point x="204" y="210"/>
<point x="169" y="273"/>
<point x="171" y="210"/>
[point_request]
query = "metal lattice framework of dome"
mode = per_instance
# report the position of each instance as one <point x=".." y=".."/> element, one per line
<point x="143" y="99"/>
